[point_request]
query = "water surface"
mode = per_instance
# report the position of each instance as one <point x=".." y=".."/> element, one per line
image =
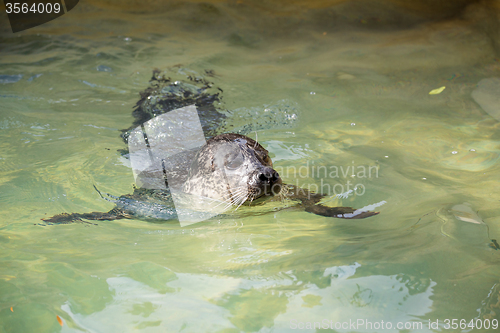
<point x="357" y="83"/>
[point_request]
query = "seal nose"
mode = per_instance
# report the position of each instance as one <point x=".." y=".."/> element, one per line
<point x="268" y="175"/>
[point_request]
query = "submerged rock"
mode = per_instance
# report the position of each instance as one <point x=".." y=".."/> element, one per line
<point x="487" y="95"/>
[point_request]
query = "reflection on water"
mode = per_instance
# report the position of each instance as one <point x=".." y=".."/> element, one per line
<point x="186" y="301"/>
<point x="356" y="77"/>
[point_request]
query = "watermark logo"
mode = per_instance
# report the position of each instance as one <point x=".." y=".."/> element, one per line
<point x="28" y="14"/>
<point x="161" y="152"/>
<point x="348" y="178"/>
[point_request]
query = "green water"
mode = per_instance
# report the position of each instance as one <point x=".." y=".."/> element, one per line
<point x="359" y="84"/>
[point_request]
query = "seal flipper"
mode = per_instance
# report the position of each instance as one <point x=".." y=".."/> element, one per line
<point x="309" y="200"/>
<point x="114" y="214"/>
<point x="339" y="212"/>
<point x="65" y="218"/>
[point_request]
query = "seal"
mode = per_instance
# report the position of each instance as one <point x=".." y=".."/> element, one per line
<point x="231" y="169"/>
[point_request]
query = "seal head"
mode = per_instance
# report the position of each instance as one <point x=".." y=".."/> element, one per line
<point x="232" y="168"/>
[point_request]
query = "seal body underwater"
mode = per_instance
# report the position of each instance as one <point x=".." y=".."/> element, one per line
<point x="230" y="170"/>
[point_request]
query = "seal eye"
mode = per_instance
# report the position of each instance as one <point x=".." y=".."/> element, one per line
<point x="234" y="160"/>
<point x="266" y="159"/>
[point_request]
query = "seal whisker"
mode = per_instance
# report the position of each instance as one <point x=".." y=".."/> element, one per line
<point x="237" y="198"/>
<point x="236" y="192"/>
<point x="243" y="199"/>
<point x="226" y="203"/>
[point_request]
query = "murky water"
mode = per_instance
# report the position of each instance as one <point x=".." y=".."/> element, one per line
<point x="358" y="80"/>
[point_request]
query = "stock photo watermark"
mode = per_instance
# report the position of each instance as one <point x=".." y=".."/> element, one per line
<point x="29" y="14"/>
<point x="365" y="324"/>
<point x="348" y="178"/>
